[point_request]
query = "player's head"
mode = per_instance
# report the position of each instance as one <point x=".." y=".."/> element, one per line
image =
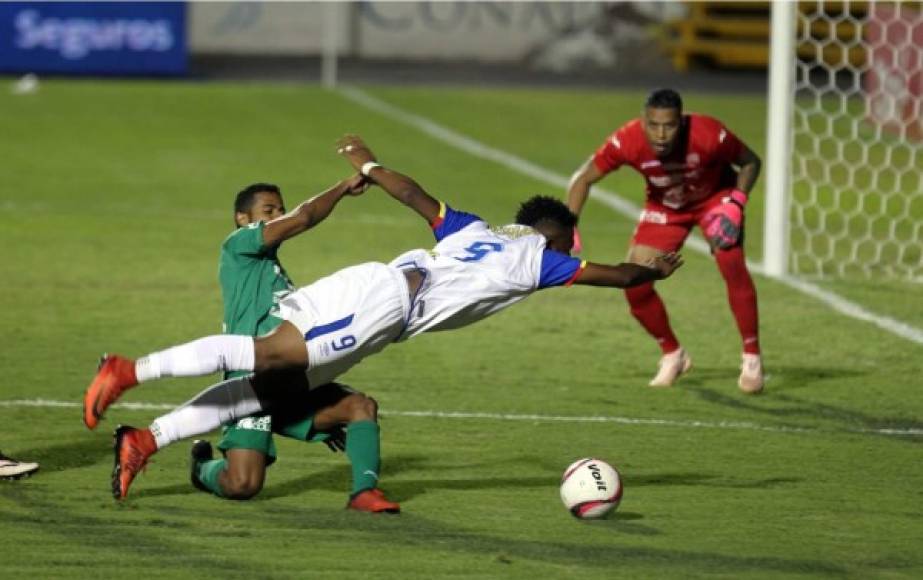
<point x="258" y="202"/>
<point x="663" y="114"/>
<point x="551" y="218"/>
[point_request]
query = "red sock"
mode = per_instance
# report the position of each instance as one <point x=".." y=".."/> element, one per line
<point x="648" y="309"/>
<point x="741" y="296"/>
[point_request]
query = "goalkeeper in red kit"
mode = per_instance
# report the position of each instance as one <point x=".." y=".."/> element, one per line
<point x="697" y="173"/>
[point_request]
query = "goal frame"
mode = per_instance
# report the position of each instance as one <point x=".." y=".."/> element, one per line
<point x="779" y="137"/>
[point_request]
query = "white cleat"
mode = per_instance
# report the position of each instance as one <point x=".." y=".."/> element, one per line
<point x="12" y="469"/>
<point x="751" y="374"/>
<point x="672" y="366"/>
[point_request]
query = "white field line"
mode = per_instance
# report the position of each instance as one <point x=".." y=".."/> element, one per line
<point x="475" y="416"/>
<point x="615" y="202"/>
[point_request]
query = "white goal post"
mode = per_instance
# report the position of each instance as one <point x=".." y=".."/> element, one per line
<point x="844" y="167"/>
<point x="778" y="138"/>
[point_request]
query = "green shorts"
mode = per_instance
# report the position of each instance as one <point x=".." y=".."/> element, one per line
<point x="294" y="420"/>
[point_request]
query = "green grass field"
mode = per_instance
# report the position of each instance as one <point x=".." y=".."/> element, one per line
<point x="116" y="197"/>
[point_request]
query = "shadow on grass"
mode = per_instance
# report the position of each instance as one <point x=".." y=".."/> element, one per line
<point x="424" y="535"/>
<point x="335" y="479"/>
<point x="707" y="480"/>
<point x="339" y="478"/>
<point x="331" y="479"/>
<point x="780" y="378"/>
<point x="605" y="553"/>
<point x="785" y="377"/>
<point x="117" y="537"/>
<point x="83" y="452"/>
<point x="166" y="490"/>
<point x="405" y="490"/>
<point x="847" y="420"/>
<point x="626" y="523"/>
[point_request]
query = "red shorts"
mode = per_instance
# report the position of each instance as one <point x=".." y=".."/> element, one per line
<point x="666" y="229"/>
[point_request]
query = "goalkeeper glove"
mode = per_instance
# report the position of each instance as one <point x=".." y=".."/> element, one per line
<point x="723" y="223"/>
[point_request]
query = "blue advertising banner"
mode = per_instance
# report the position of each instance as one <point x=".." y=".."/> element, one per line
<point x="101" y="38"/>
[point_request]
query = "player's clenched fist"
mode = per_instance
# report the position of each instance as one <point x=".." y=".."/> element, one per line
<point x="356" y="185"/>
<point x="354" y="150"/>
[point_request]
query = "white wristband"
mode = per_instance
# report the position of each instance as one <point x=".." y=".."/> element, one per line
<point x="367" y="167"/>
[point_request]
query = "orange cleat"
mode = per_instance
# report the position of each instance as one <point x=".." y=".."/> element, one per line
<point x="116" y="375"/>
<point x="132" y="447"/>
<point x="374" y="501"/>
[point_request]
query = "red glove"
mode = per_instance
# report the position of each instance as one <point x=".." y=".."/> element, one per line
<point x="723" y="224"/>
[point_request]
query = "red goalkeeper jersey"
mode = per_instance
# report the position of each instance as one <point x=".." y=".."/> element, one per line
<point x="698" y="167"/>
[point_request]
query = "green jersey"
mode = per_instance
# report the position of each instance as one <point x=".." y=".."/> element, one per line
<point x="252" y="282"/>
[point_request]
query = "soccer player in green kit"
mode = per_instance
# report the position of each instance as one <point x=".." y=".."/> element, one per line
<point x="252" y="283"/>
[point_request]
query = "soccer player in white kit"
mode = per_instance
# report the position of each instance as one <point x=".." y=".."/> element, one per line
<point x="473" y="271"/>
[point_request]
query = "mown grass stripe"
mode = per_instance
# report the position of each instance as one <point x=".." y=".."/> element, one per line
<point x="485" y="416"/>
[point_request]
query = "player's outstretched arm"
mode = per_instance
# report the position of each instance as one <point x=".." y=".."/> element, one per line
<point x="397" y="185"/>
<point x="310" y="213"/>
<point x="626" y="275"/>
<point x="578" y="189"/>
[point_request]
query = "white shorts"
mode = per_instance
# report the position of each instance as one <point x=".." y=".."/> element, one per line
<point x="347" y="316"/>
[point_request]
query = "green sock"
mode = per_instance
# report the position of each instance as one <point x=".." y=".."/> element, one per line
<point x="208" y="472"/>
<point x="362" y="448"/>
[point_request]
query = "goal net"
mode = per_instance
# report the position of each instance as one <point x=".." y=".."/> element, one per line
<point x="856" y="196"/>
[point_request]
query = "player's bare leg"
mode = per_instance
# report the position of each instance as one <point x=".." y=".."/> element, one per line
<point x="649" y="311"/>
<point x="283" y="348"/>
<point x="229" y="400"/>
<point x="238" y="475"/>
<point x="360" y="415"/>
<point x="245" y="473"/>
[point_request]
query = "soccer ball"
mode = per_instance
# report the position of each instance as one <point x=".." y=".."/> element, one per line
<point x="590" y="488"/>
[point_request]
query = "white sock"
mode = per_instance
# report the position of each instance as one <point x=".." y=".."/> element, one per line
<point x="222" y="352"/>
<point x="227" y="401"/>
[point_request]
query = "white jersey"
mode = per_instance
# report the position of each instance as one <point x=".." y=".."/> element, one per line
<point x="348" y="316"/>
<point x="473" y="272"/>
<point x="476" y="270"/>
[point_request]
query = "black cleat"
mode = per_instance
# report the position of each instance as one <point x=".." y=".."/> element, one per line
<point x="201" y="451"/>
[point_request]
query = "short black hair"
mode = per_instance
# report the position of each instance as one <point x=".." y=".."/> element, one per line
<point x="245" y="198"/>
<point x="664" y="99"/>
<point x="542" y="208"/>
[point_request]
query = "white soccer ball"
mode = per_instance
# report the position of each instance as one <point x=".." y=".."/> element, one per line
<point x="590" y="488"/>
